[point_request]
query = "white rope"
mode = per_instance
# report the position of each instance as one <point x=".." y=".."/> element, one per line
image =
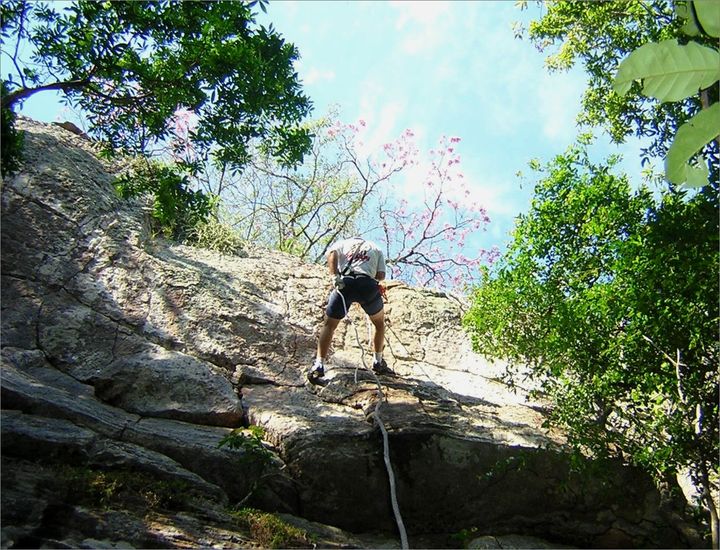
<point x="391" y="478"/>
<point x="386" y="441"/>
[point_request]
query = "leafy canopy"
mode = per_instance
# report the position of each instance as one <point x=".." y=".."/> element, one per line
<point x="601" y="289"/>
<point x="599" y="35"/>
<point x="131" y="65"/>
<point x="670" y="71"/>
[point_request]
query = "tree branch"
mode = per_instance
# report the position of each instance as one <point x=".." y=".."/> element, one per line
<point x="23" y="93"/>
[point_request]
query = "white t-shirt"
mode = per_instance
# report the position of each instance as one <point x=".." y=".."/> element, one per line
<point x="363" y="256"/>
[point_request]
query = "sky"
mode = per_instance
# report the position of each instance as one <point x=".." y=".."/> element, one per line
<point x="451" y="68"/>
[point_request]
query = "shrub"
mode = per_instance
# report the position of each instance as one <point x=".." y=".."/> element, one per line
<point x="112" y="488"/>
<point x="250" y="443"/>
<point x="176" y="209"/>
<point x="11" y="141"/>
<point x="214" y="235"/>
<point x="269" y="531"/>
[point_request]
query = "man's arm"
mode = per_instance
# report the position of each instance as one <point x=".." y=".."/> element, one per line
<point x="380" y="273"/>
<point x="332" y="262"/>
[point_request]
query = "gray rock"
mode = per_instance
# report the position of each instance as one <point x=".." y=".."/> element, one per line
<point x="130" y="352"/>
<point x="169" y="384"/>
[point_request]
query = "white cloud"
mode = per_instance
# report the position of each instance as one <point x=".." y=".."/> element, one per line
<point x="381" y="126"/>
<point x="422" y="26"/>
<point x="381" y="111"/>
<point x="423" y="12"/>
<point x="315" y="75"/>
<point x="558" y="101"/>
<point x="499" y="198"/>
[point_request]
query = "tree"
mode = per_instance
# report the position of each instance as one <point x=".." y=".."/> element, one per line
<point x="670" y="71"/>
<point x="600" y="35"/>
<point x="343" y="188"/>
<point x="607" y="295"/>
<point x="11" y="141"/>
<point x="131" y="65"/>
<point x="425" y="235"/>
<point x="300" y="210"/>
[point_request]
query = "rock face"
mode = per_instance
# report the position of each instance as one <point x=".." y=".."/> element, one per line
<point x="122" y="351"/>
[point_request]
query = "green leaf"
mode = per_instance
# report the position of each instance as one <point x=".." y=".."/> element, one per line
<point x="669" y="71"/>
<point x="708" y="12"/>
<point x="690" y="138"/>
<point x="683" y="11"/>
<point x="697" y="175"/>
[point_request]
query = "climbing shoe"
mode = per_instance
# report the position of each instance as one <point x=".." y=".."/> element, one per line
<point x="317" y="371"/>
<point x="380" y="367"/>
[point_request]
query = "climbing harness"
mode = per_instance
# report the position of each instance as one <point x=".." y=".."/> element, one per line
<point x="346" y="271"/>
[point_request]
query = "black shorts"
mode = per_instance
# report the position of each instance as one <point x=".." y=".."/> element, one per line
<point x="363" y="290"/>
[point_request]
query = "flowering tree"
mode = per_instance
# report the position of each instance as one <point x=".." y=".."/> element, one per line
<point x="344" y="187"/>
<point x="426" y="238"/>
<point x="303" y="210"/>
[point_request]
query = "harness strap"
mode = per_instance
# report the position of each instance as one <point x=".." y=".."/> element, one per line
<point x="347" y="269"/>
<point x="357" y="275"/>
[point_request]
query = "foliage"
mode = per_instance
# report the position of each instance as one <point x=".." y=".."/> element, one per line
<point x="599" y="287"/>
<point x="690" y="139"/>
<point x="269" y="531"/>
<point x="11" y="140"/>
<point x="345" y="187"/>
<point x="600" y="35"/>
<point x="250" y="443"/>
<point x="111" y="488"/>
<point x="132" y="65"/>
<point x="175" y="208"/>
<point x="215" y="235"/>
<point x="671" y="71"/>
<point x="465" y="536"/>
<point x="425" y="229"/>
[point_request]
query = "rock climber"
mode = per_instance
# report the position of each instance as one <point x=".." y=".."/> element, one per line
<point x="357" y="266"/>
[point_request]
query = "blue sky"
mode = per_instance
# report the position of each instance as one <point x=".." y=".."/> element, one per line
<point x="444" y="68"/>
<point x="439" y="68"/>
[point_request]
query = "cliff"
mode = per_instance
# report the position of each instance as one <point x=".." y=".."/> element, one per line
<point x="125" y="357"/>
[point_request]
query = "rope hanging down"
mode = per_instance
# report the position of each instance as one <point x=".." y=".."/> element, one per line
<point x="386" y="442"/>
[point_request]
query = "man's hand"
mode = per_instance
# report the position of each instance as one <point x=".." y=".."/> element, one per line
<point x="383" y="292"/>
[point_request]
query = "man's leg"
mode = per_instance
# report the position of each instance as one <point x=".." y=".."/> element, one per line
<point x="326" y="334"/>
<point x="378" y="320"/>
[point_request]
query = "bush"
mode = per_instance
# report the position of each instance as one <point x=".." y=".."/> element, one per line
<point x="123" y="488"/>
<point x="214" y="235"/>
<point x="250" y="443"/>
<point x="606" y="295"/>
<point x="176" y="208"/>
<point x="269" y="531"/>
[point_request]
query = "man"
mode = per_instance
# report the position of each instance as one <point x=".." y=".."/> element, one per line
<point x="357" y="266"/>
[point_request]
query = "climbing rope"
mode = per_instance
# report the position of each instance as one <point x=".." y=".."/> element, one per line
<point x="386" y="441"/>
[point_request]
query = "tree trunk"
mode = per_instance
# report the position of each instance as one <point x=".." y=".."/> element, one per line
<point x="710" y="503"/>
